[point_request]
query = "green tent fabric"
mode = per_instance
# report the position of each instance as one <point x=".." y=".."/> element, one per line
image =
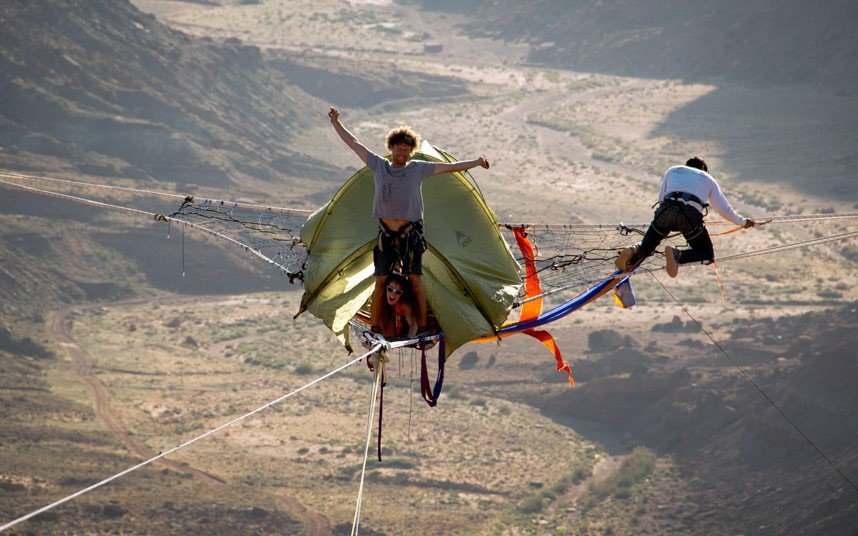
<point x="470" y="276"/>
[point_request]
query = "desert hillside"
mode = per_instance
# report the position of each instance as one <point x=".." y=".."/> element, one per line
<point x="769" y="42"/>
<point x="722" y="403"/>
<point x="99" y="88"/>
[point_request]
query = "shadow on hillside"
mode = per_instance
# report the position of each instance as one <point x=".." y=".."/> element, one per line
<point x="728" y="434"/>
<point x="210" y="266"/>
<point x="786" y="110"/>
<point x="783" y="135"/>
<point x="194" y="267"/>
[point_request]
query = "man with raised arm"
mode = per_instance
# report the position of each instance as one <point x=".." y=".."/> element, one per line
<point x="398" y="205"/>
<point x="686" y="193"/>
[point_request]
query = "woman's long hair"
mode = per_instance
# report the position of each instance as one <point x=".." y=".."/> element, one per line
<point x="386" y="316"/>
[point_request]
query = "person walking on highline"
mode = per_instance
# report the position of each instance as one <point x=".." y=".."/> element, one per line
<point x="398" y="205"/>
<point x="686" y="193"/>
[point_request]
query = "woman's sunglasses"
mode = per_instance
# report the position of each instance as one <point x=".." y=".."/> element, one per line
<point x="394" y="291"/>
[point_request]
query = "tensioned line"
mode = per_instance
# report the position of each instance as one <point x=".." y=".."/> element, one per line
<point x="160" y="455"/>
<point x="752" y="382"/>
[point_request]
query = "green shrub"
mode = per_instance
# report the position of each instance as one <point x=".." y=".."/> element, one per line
<point x="579" y="475"/>
<point x="850" y="252"/>
<point x="304" y="369"/>
<point x="531" y="505"/>
<point x="399" y="463"/>
<point x="637" y="466"/>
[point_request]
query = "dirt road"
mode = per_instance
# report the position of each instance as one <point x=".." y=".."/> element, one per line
<point x="83" y="364"/>
<point x="314" y="525"/>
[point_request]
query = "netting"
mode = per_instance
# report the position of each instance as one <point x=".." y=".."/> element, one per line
<point x="569" y="258"/>
<point x="272" y="233"/>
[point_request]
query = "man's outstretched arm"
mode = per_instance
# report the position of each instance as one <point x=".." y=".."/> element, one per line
<point x="460" y="166"/>
<point x="718" y="202"/>
<point x="347" y="136"/>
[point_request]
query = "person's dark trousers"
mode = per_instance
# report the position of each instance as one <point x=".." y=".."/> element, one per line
<point x="675" y="216"/>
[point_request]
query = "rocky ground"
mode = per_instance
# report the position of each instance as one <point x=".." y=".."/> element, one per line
<point x="665" y="432"/>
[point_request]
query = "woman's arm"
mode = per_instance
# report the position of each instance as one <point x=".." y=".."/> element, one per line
<point x="412" y="322"/>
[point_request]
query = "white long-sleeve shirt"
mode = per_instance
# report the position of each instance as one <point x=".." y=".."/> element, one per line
<point x="701" y="184"/>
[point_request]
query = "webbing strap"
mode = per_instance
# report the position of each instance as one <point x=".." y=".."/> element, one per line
<point x="380" y="408"/>
<point x="686" y="196"/>
<point x="532" y="307"/>
<point x="431" y="394"/>
<point x="720" y="283"/>
<point x="730" y="231"/>
<point x="548" y="340"/>
<point x="739" y="228"/>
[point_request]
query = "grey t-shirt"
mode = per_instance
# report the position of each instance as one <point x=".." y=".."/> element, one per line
<point x="397" y="190"/>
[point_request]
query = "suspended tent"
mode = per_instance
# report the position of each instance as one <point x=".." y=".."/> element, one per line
<point x="470" y="277"/>
<point x="565" y="266"/>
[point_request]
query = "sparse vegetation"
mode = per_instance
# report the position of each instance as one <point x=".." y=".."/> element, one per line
<point x="638" y="465"/>
<point x="491" y="449"/>
<point x="304" y="369"/>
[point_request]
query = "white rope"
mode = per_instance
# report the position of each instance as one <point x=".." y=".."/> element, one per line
<point x="77" y="199"/>
<point x="20" y="176"/>
<point x="186" y="443"/>
<point x="376" y="338"/>
<point x="770" y="221"/>
<point x="785" y="247"/>
<point x="87" y="184"/>
<point x="753" y="383"/>
<point x="370" y="414"/>
<point x="794" y="218"/>
<point x="150" y="215"/>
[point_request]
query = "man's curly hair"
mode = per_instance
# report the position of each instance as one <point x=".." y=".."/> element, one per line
<point x="403" y="134"/>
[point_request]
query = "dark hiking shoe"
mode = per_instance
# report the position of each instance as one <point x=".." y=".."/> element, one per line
<point x="622" y="261"/>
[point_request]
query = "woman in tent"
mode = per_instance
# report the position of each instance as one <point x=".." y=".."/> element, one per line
<point x="398" y="309"/>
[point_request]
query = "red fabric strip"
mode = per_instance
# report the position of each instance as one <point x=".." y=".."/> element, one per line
<point x="532" y="288"/>
<point x="548" y="340"/>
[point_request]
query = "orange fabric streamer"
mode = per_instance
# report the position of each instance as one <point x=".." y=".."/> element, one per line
<point x="532" y="307"/>
<point x="548" y="340"/>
